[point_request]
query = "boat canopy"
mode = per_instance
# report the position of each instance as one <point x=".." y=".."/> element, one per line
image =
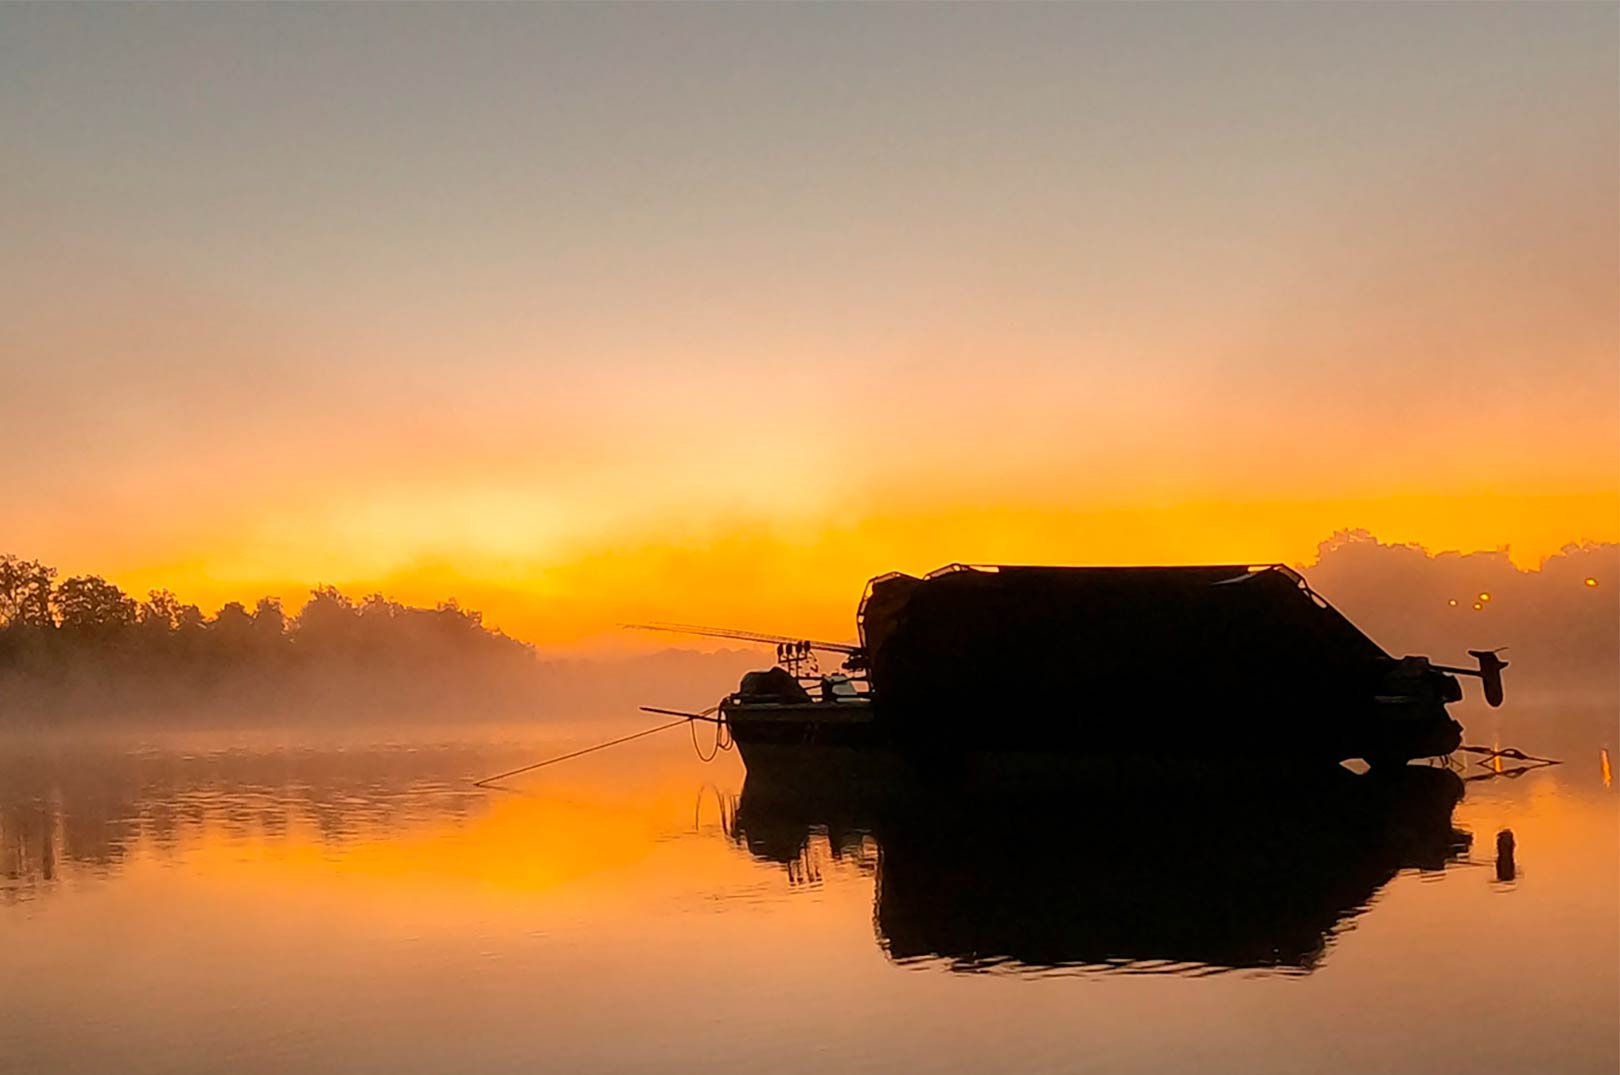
<point x="1242" y="635"/>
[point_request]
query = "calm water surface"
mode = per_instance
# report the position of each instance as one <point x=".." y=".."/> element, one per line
<point x="252" y="902"/>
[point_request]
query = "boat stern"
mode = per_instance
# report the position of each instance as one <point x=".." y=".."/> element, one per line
<point x="1410" y="719"/>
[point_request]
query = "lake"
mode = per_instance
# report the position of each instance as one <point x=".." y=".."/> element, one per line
<point x="324" y="900"/>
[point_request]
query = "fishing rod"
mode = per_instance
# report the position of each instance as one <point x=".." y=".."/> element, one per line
<point x="846" y="648"/>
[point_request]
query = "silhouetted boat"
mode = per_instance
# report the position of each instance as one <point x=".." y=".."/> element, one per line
<point x="1184" y="876"/>
<point x="1198" y="662"/>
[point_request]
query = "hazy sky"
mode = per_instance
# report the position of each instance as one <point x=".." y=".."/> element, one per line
<point x="589" y="313"/>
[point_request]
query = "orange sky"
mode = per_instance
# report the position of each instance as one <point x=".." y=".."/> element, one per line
<point x="585" y="315"/>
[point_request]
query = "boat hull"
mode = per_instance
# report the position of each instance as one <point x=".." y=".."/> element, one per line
<point x="817" y="741"/>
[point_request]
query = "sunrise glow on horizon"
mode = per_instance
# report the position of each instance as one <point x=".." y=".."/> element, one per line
<point x="591" y="314"/>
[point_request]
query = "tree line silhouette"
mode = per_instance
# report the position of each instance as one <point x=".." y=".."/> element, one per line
<point x="84" y="630"/>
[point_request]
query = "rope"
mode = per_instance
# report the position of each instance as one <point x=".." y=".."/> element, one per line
<point x="699" y="750"/>
<point x="722" y="741"/>
<point x="722" y="738"/>
<point x="577" y="753"/>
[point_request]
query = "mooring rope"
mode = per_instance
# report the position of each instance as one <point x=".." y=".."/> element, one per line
<point x="722" y="741"/>
<point x="722" y="737"/>
<point x="577" y="753"/>
<point x="714" y="753"/>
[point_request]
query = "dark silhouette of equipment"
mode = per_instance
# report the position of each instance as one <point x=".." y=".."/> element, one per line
<point x="797" y="655"/>
<point x="1489" y="672"/>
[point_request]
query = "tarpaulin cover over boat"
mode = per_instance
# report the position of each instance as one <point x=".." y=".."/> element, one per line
<point x="1054" y="643"/>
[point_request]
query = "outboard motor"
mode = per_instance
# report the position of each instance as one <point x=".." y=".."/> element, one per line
<point x="1490" y="674"/>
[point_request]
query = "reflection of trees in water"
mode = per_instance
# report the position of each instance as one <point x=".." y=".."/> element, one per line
<point x="85" y="814"/>
<point x="1137" y="877"/>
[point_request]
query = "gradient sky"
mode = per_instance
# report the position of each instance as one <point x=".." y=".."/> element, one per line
<point x="589" y="313"/>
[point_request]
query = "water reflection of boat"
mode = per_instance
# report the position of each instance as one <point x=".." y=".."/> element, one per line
<point x="1136" y="875"/>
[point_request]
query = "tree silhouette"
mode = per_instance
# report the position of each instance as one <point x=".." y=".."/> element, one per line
<point x="269" y="623"/>
<point x="91" y="605"/>
<point x="25" y="592"/>
<point x="233" y="627"/>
